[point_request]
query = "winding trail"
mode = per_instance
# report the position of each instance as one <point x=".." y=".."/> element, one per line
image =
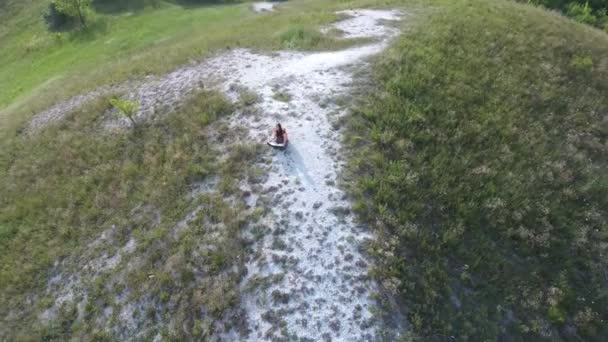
<point x="307" y="278"/>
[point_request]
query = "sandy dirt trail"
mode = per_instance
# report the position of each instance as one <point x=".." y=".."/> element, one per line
<point x="308" y="277"/>
<point x="316" y="283"/>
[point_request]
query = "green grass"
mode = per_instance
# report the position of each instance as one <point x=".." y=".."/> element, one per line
<point x="480" y="158"/>
<point x="64" y="186"/>
<point x="40" y="68"/>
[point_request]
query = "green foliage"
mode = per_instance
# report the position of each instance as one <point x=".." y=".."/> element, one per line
<point x="592" y="12"/>
<point x="480" y="159"/>
<point x="74" y="8"/>
<point x="299" y="37"/>
<point x="582" y="63"/>
<point x="127" y="108"/>
<point x="62" y="327"/>
<point x="581" y="13"/>
<point x="56" y="20"/>
<point x="556" y="315"/>
<point x="248" y="97"/>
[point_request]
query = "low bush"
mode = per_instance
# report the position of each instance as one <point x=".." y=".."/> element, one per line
<point x="57" y="21"/>
<point x="591" y="12"/>
<point x="582" y="13"/>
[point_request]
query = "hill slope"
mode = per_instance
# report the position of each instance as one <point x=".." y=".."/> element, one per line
<point x="477" y="155"/>
<point x="486" y="173"/>
<point x="178" y="225"/>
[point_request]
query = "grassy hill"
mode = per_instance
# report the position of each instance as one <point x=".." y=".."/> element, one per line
<point x="481" y="159"/>
<point x="41" y="67"/>
<point x="77" y="197"/>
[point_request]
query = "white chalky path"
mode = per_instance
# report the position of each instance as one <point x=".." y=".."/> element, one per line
<point x="323" y="290"/>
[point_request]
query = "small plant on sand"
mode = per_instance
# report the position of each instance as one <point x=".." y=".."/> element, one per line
<point x="126" y="108"/>
<point x="281" y="95"/>
<point x="248" y="97"/>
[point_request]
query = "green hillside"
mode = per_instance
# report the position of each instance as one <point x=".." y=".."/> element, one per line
<point x="40" y="67"/>
<point x="476" y="149"/>
<point x="486" y="173"/>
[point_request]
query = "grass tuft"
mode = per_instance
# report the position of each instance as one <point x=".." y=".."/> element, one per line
<point x="300" y="37"/>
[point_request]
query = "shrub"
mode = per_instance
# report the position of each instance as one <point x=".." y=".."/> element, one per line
<point x="126" y="108"/>
<point x="581" y="13"/>
<point x="582" y="63"/>
<point x="74" y="8"/>
<point x="58" y="21"/>
<point x="556" y="315"/>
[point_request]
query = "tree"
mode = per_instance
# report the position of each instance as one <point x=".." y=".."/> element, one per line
<point x="581" y="13"/>
<point x="74" y="8"/>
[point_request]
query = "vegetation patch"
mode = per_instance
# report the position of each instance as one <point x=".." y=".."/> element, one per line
<point x="247" y="97"/>
<point x="74" y="193"/>
<point x="480" y="159"/>
<point x="301" y="37"/>
<point x="281" y="95"/>
<point x="591" y="12"/>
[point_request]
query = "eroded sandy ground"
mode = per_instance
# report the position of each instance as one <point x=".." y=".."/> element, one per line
<point x="316" y="282"/>
<point x="308" y="275"/>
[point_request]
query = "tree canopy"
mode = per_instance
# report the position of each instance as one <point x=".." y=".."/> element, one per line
<point x="592" y="12"/>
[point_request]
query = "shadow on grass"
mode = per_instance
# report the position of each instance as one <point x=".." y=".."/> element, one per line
<point x="118" y="6"/>
<point x="201" y="3"/>
<point x="93" y="30"/>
